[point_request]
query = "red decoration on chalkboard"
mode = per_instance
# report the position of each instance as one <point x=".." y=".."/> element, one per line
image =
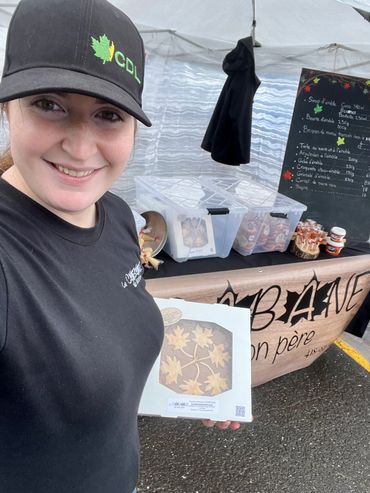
<point x="346" y="81"/>
<point x="287" y="175"/>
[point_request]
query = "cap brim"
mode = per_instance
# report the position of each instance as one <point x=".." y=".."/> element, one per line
<point x="38" y="80"/>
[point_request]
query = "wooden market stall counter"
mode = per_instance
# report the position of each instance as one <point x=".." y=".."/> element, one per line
<point x="298" y="308"/>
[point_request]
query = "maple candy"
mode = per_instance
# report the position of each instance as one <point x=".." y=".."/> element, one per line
<point x="196" y="358"/>
<point x="308" y="237"/>
<point x="248" y="233"/>
<point x="276" y="233"/>
<point x="152" y="237"/>
<point x="146" y="253"/>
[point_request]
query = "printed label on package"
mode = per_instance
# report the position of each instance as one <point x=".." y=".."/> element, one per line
<point x="188" y="405"/>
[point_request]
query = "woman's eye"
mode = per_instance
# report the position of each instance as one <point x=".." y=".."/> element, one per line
<point x="110" y="116"/>
<point x="47" y="105"/>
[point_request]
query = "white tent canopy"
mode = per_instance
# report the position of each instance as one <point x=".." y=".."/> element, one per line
<point x="280" y="24"/>
<point x="286" y="29"/>
<point x="186" y="42"/>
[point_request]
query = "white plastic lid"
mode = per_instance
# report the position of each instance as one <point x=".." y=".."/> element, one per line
<point x="336" y="230"/>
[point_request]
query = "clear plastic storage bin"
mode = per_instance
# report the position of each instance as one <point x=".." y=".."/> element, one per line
<point x="201" y="222"/>
<point x="270" y="219"/>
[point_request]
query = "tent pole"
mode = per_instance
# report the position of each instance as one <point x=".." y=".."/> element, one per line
<point x="254" y="23"/>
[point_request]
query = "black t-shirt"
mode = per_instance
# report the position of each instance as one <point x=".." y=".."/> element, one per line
<point x="78" y="336"/>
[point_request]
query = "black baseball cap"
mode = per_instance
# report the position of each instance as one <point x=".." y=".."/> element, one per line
<point x="83" y="46"/>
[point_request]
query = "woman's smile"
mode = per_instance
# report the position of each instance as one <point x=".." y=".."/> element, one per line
<point x="72" y="172"/>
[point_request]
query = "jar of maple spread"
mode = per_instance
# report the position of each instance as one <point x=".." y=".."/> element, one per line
<point x="335" y="241"/>
<point x="334" y="247"/>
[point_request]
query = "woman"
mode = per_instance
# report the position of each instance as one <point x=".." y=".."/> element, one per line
<point x="78" y="331"/>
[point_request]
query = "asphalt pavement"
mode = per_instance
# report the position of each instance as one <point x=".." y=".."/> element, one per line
<point x="311" y="433"/>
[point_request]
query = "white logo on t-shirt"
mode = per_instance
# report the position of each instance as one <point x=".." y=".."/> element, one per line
<point x="133" y="276"/>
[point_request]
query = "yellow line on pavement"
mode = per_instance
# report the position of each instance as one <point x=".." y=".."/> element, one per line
<point x="353" y="353"/>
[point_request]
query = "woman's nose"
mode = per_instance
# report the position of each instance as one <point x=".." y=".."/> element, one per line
<point x="80" y="141"/>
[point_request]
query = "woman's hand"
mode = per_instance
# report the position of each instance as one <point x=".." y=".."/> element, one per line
<point x="222" y="425"/>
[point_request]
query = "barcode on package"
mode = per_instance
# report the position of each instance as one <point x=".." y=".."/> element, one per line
<point x="240" y="411"/>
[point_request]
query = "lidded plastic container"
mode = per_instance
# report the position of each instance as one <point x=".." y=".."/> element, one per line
<point x="201" y="222"/>
<point x="270" y="218"/>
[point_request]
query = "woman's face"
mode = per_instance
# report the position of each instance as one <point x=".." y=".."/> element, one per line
<point x="68" y="149"/>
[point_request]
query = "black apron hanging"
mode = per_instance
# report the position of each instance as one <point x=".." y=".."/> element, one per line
<point x="228" y="136"/>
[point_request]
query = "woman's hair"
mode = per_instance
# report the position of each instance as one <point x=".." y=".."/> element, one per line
<point x="6" y="160"/>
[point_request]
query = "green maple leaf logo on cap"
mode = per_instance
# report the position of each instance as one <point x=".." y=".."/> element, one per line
<point x="103" y="48"/>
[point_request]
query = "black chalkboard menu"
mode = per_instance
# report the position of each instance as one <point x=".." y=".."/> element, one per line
<point x="327" y="159"/>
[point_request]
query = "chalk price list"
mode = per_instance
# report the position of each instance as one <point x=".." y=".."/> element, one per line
<point x="332" y="149"/>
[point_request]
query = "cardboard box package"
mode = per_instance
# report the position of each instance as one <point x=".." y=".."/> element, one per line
<point x="204" y="368"/>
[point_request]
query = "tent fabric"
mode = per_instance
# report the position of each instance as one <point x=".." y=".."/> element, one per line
<point x="290" y="24"/>
<point x="279" y="24"/>
<point x="186" y="42"/>
<point x="358" y="4"/>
